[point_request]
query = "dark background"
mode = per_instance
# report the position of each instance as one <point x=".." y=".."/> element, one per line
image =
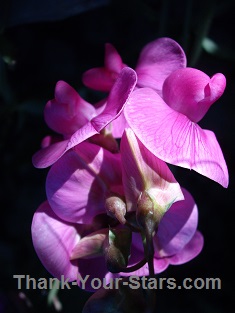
<point x="42" y="42"/>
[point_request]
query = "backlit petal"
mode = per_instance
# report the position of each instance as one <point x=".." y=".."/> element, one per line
<point x="157" y="60"/>
<point x="172" y="137"/>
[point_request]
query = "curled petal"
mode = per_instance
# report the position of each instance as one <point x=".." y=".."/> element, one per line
<point x="49" y="154"/>
<point x="172" y="137"/>
<point x="77" y="183"/>
<point x="53" y="240"/>
<point x="157" y="60"/>
<point x="191" y="92"/>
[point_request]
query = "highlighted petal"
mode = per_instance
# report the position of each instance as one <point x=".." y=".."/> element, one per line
<point x="172" y="137"/>
<point x="53" y="240"/>
<point x="157" y="60"/>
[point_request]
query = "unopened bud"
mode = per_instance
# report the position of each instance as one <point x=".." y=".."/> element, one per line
<point x="116" y="207"/>
<point x="148" y="213"/>
<point x="117" y="251"/>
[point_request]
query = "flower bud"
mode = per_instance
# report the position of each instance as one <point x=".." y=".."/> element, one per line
<point x="148" y="212"/>
<point x="117" y="250"/>
<point x="116" y="207"/>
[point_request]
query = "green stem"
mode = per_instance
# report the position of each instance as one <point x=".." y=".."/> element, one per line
<point x="134" y="267"/>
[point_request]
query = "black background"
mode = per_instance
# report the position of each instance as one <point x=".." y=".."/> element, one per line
<point x="38" y="47"/>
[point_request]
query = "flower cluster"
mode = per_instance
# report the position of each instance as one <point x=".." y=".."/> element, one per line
<point x="113" y="207"/>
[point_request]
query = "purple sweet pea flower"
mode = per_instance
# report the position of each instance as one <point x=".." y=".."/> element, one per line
<point x="76" y="251"/>
<point x="157" y="60"/>
<point x="81" y="120"/>
<point x="168" y="127"/>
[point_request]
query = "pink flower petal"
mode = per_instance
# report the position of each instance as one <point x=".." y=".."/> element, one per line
<point x="191" y="92"/>
<point x="143" y="171"/>
<point x="117" y="126"/>
<point x="113" y="60"/>
<point x="48" y="155"/>
<point x="190" y="251"/>
<point x="99" y="78"/>
<point x="53" y="240"/>
<point x="157" y="60"/>
<point x="103" y="78"/>
<point x="172" y="137"/>
<point x="177" y="226"/>
<point x="76" y="184"/>
<point x="67" y="111"/>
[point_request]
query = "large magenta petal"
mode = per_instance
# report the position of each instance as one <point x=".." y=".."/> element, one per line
<point x="76" y="184"/>
<point x="190" y="251"/>
<point x="143" y="171"/>
<point x="67" y="111"/>
<point x="157" y="60"/>
<point x="177" y="226"/>
<point x="53" y="240"/>
<point x="172" y="137"/>
<point x="191" y="92"/>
